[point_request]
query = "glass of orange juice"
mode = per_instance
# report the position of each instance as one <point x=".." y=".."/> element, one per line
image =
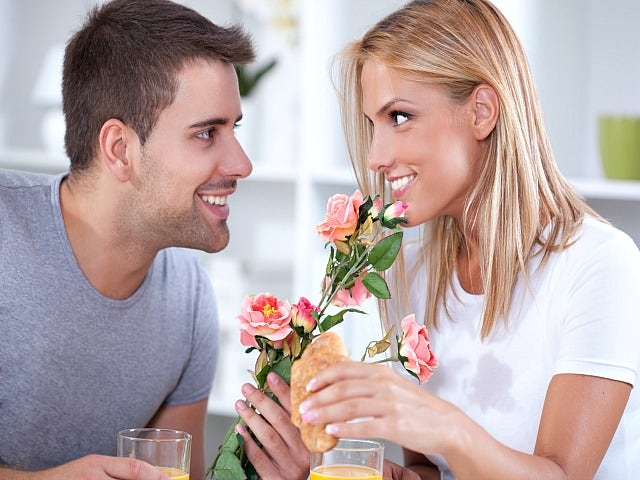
<point x="349" y="460"/>
<point x="167" y="450"/>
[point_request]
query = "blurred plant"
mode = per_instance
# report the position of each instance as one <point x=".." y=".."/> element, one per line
<point x="249" y="77"/>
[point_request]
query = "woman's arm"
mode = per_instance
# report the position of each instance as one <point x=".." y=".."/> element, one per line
<point x="580" y="415"/>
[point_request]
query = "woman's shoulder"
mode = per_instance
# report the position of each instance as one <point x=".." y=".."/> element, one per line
<point x="595" y="235"/>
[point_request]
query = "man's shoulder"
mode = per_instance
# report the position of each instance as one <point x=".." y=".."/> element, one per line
<point x="20" y="179"/>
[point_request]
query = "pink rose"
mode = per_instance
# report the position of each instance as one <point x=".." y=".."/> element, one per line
<point x="301" y="315"/>
<point x="263" y="315"/>
<point x="355" y="296"/>
<point x="374" y="211"/>
<point x="341" y="218"/>
<point x="415" y="351"/>
<point x="395" y="210"/>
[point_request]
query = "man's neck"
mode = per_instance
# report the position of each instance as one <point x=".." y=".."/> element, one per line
<point x="107" y="251"/>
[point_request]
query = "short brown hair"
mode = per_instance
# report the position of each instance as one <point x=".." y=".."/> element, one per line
<point x="123" y="63"/>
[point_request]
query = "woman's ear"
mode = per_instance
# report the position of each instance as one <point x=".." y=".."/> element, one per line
<point x="486" y="108"/>
<point x="114" y="142"/>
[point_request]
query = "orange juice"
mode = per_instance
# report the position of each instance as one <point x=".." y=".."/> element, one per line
<point x="344" y="472"/>
<point x="174" y="473"/>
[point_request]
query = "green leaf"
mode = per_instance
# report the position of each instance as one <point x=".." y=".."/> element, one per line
<point x="385" y="252"/>
<point x="376" y="285"/>
<point x="249" y="77"/>
<point x="228" y="467"/>
<point x="261" y="376"/>
<point x="332" y="320"/>
<point x="283" y="368"/>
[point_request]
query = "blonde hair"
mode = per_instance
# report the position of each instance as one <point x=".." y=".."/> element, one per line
<point x="457" y="45"/>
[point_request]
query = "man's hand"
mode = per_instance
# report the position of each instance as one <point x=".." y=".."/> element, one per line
<point x="393" y="471"/>
<point x="282" y="455"/>
<point x="92" y="467"/>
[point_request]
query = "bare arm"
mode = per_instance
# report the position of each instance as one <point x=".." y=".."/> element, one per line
<point x="94" y="467"/>
<point x="580" y="416"/>
<point x="188" y="418"/>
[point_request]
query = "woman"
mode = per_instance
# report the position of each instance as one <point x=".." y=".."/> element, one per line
<point x="530" y="297"/>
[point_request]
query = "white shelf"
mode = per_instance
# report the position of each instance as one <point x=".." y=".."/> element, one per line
<point x="605" y="189"/>
<point x="33" y="160"/>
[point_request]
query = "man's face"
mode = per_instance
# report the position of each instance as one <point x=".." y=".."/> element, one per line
<point x="191" y="161"/>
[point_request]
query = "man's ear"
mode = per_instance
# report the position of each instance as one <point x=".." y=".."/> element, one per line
<point x="115" y="144"/>
<point x="486" y="108"/>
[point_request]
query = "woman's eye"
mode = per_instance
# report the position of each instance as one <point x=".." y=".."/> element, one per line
<point x="399" y="117"/>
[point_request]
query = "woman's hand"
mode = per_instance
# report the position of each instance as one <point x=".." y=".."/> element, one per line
<point x="282" y="455"/>
<point x="394" y="408"/>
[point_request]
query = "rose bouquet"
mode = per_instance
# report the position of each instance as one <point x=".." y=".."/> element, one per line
<point x="363" y="238"/>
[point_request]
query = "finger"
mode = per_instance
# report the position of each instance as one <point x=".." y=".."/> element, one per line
<point x="131" y="469"/>
<point x="344" y="371"/>
<point x="264" y="432"/>
<point x="262" y="463"/>
<point x="281" y="390"/>
<point x="281" y="441"/>
<point x="361" y="429"/>
<point x="276" y="418"/>
<point x="351" y="409"/>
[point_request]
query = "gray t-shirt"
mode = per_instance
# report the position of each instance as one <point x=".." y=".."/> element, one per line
<point x="75" y="366"/>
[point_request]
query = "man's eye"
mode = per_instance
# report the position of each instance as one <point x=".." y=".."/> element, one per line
<point x="206" y="135"/>
<point x="399" y="117"/>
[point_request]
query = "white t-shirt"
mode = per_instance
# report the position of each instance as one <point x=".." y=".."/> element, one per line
<point x="581" y="315"/>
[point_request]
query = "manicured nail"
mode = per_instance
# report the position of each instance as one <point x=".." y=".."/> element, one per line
<point x="240" y="429"/>
<point x="247" y="389"/>
<point x="310" y="416"/>
<point x="311" y="384"/>
<point x="304" y="406"/>
<point x="240" y="405"/>
<point x="273" y="378"/>
<point x="332" y="429"/>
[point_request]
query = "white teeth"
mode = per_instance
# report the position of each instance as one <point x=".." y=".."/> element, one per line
<point x="398" y="183"/>
<point x="215" y="200"/>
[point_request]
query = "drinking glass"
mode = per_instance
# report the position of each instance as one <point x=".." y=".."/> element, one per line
<point x="167" y="450"/>
<point x="349" y="460"/>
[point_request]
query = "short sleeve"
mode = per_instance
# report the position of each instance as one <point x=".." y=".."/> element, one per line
<point x="197" y="378"/>
<point x="600" y="334"/>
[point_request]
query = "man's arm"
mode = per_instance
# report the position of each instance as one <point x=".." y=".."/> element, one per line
<point x="96" y="467"/>
<point x="187" y="418"/>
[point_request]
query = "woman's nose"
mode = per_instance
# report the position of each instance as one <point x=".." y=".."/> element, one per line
<point x="380" y="157"/>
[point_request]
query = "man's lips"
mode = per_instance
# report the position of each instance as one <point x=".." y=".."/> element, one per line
<point x="217" y="204"/>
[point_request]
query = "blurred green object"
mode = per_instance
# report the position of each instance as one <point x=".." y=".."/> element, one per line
<point x="619" y="139"/>
<point x="248" y="77"/>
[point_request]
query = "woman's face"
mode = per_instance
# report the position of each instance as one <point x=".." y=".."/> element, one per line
<point x="423" y="142"/>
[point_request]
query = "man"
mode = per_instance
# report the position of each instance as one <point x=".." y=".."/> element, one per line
<point x="103" y="325"/>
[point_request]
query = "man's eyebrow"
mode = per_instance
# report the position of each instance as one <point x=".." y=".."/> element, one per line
<point x="213" y="121"/>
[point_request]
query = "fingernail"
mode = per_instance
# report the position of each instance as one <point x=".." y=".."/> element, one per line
<point x="310" y="416"/>
<point x="239" y="429"/>
<point x="304" y="406"/>
<point x="247" y="389"/>
<point x="311" y="384"/>
<point x="273" y="378"/>
<point x="240" y="405"/>
<point x="332" y="429"/>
